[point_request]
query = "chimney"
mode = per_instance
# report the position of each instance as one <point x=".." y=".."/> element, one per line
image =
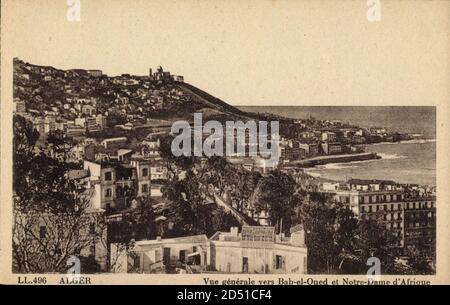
<point x="298" y="238"/>
<point x="234" y="231"/>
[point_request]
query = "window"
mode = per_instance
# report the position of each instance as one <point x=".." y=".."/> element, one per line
<point x="108" y="193"/>
<point x="92" y="228"/>
<point x="108" y="176"/>
<point x="137" y="262"/>
<point x="182" y="256"/>
<point x="92" y="250"/>
<point x="144" y="188"/>
<point x="145" y="172"/>
<point x="42" y="232"/>
<point x="279" y="262"/>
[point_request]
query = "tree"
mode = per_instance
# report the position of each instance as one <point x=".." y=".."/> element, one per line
<point x="165" y="149"/>
<point x="191" y="209"/>
<point x="373" y="239"/>
<point x="142" y="219"/>
<point x="419" y="262"/>
<point x="39" y="180"/>
<point x="44" y="240"/>
<point x="53" y="219"/>
<point x="25" y="137"/>
<point x="218" y="165"/>
<point x="276" y="194"/>
<point x="330" y="235"/>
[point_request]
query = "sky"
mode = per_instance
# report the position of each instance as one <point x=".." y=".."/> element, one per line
<point x="249" y="52"/>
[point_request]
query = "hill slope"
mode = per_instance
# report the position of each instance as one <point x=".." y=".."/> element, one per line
<point x="208" y="99"/>
<point x="45" y="88"/>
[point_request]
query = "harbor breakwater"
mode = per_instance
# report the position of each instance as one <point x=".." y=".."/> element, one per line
<point x="311" y="162"/>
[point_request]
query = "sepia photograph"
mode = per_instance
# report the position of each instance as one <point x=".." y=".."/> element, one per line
<point x="302" y="139"/>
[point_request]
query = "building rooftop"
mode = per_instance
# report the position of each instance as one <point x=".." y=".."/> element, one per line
<point x="76" y="174"/>
<point x="185" y="239"/>
<point x="372" y="181"/>
<point x="115" y="139"/>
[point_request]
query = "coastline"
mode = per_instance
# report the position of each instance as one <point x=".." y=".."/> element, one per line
<point x="322" y="160"/>
<point x="406" y="163"/>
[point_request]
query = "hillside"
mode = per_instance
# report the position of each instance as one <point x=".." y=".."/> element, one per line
<point x="209" y="100"/>
<point x="48" y="90"/>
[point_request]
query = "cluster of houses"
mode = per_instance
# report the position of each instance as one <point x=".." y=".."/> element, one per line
<point x="409" y="211"/>
<point x="321" y="138"/>
<point x="87" y="101"/>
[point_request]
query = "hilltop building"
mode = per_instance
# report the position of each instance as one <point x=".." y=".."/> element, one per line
<point x="96" y="73"/>
<point x="161" y="75"/>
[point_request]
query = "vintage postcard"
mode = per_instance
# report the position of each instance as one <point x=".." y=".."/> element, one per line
<point x="225" y="142"/>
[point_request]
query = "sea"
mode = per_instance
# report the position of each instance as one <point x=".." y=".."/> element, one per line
<point x="411" y="161"/>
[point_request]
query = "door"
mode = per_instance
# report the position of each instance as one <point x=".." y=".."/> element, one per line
<point x="245" y="264"/>
<point x="166" y="256"/>
<point x="183" y="256"/>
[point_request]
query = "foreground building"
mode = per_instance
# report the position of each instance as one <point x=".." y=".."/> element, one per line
<point x="256" y="249"/>
<point x="409" y="214"/>
<point x="161" y="255"/>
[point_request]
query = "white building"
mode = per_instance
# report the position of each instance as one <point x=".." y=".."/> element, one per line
<point x="150" y="256"/>
<point x="254" y="250"/>
<point x="258" y="250"/>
